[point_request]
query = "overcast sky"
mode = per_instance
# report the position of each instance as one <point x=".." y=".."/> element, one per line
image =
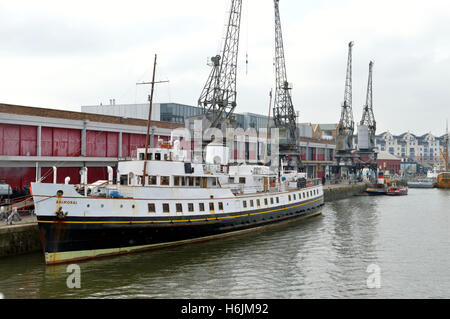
<point x="64" y="54"/>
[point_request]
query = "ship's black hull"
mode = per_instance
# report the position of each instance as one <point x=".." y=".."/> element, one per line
<point x="74" y="239"/>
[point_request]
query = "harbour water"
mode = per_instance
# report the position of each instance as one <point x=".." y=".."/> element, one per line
<point x="360" y="247"/>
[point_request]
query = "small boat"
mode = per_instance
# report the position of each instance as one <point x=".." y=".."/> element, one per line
<point x="397" y="191"/>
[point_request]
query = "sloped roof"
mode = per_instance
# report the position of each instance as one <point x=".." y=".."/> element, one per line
<point x="386" y="156"/>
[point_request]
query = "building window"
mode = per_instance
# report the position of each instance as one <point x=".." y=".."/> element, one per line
<point x="271" y="200"/>
<point x="151" y="208"/>
<point x="201" y="207"/>
<point x="251" y="203"/>
<point x="179" y="208"/>
<point x="244" y="204"/>
<point x="295" y="197"/>
<point x="190" y="207"/>
<point x="289" y="197"/>
<point x="165" y="180"/>
<point x="166" y="208"/>
<point x="258" y="203"/>
<point x="241" y="180"/>
<point x="211" y="207"/>
<point x="191" y="181"/>
<point x="266" y="202"/>
<point x="220" y="206"/>
<point x="176" y="180"/>
<point x="278" y="200"/>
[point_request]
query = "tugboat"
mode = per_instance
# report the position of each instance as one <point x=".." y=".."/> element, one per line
<point x="380" y="187"/>
<point x="179" y="203"/>
<point x="384" y="186"/>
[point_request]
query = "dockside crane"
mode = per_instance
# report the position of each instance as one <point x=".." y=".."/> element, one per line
<point x="218" y="97"/>
<point x="346" y="126"/>
<point x="367" y="156"/>
<point x="284" y="115"/>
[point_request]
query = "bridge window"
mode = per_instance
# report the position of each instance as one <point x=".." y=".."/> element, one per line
<point x="165" y="180"/>
<point x="152" y="180"/>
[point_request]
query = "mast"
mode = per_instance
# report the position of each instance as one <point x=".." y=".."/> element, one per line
<point x="147" y="138"/>
<point x="446" y="140"/>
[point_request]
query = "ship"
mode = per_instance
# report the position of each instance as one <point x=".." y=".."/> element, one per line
<point x="173" y="203"/>
<point x="422" y="183"/>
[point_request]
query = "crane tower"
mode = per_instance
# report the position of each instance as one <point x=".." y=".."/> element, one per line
<point x="218" y="97"/>
<point x="367" y="128"/>
<point x="345" y="128"/>
<point x="284" y="113"/>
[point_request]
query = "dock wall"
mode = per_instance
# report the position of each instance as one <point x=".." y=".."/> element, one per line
<point x="340" y="191"/>
<point x="19" y="239"/>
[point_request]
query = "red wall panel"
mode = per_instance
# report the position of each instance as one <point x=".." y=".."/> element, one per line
<point x="65" y="142"/>
<point x="125" y="145"/>
<point x="47" y="141"/>
<point x="136" y="141"/>
<point x="60" y="142"/>
<point x="112" y="144"/>
<point x="74" y="137"/>
<point x="96" y="144"/>
<point x="28" y="138"/>
<point x="10" y="140"/>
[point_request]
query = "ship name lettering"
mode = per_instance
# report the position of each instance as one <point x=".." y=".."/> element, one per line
<point x="67" y="202"/>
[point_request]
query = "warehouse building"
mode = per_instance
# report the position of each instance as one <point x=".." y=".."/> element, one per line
<point x="34" y="140"/>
